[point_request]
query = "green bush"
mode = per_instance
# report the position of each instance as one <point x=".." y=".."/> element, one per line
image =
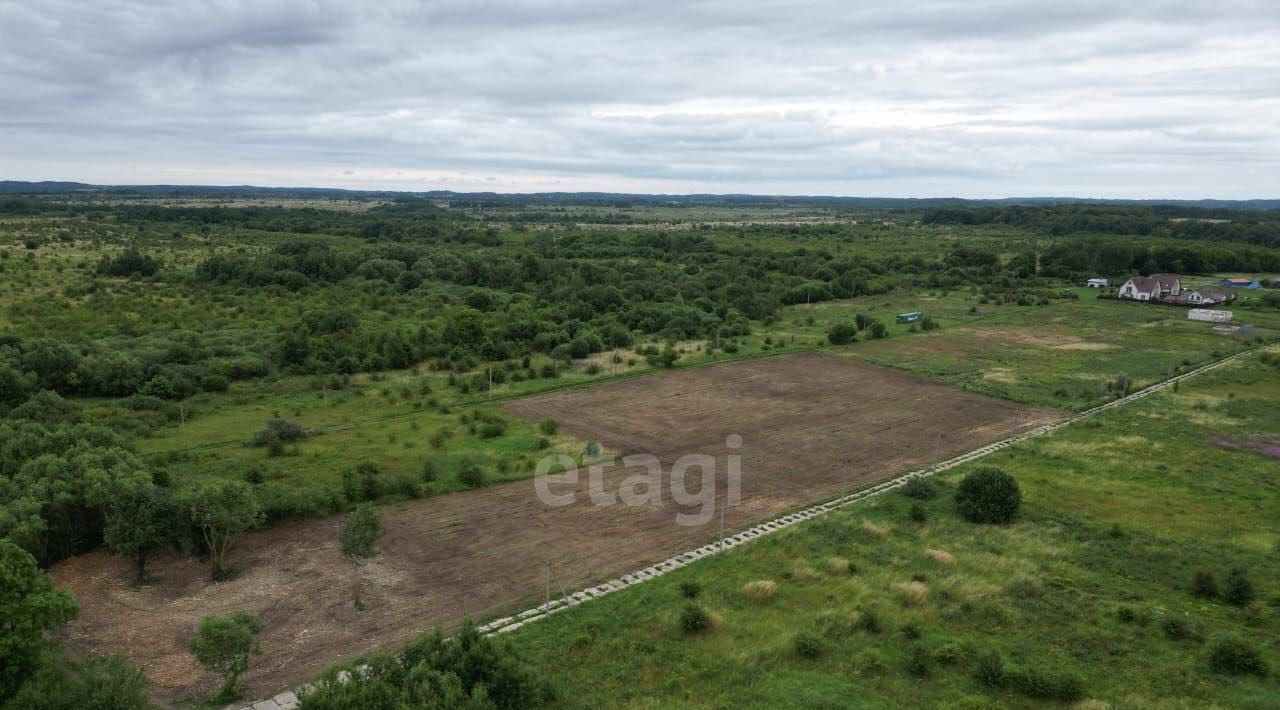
<point x="920" y="489"/>
<point x="808" y="644"/>
<point x="223" y="644"/>
<point x="918" y="514"/>
<point x="549" y="427"/>
<point x="1238" y="589"/>
<point x="1047" y="685"/>
<point x="690" y="589"/>
<point x="842" y="334"/>
<point x="471" y="475"/>
<point x="988" y="495"/>
<point x="1204" y="585"/>
<point x="694" y="619"/>
<point x="919" y="661"/>
<point x="1231" y="655"/>
<point x="990" y="669"/>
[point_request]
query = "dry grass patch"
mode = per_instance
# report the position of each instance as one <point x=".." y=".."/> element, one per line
<point x="912" y="593"/>
<point x="877" y="529"/>
<point x="942" y="557"/>
<point x="838" y="566"/>
<point x="802" y="572"/>
<point x="760" y="591"/>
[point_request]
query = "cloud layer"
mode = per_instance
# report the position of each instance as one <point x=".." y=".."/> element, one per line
<point x="976" y="98"/>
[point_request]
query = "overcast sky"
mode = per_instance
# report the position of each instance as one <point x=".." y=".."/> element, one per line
<point x="974" y="98"/>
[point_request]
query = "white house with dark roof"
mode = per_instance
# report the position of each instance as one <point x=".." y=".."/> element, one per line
<point x="1151" y="288"/>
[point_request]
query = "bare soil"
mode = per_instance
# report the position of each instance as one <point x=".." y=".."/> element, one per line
<point x="811" y="425"/>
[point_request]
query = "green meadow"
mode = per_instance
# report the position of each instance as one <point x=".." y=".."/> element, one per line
<point x="1086" y="598"/>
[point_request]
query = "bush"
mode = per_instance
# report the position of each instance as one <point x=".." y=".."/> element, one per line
<point x="223" y="645"/>
<point x="920" y="489"/>
<point x="1204" y="585"/>
<point x="990" y="670"/>
<point x="694" y="619"/>
<point x="1231" y="655"/>
<point x="988" y="495"/>
<point x="808" y="644"/>
<point x="842" y="334"/>
<point x="549" y="427"/>
<point x="918" y="514"/>
<point x="471" y="475"/>
<point x="428" y="472"/>
<point x="690" y="589"/>
<point x="1178" y="630"/>
<point x="492" y="430"/>
<point x="1047" y="685"/>
<point x="1238" y="590"/>
<point x="919" y="661"/>
<point x="869" y="620"/>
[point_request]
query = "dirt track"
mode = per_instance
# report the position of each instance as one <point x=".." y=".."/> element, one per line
<point x="810" y="425"/>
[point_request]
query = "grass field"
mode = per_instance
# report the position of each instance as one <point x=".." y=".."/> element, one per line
<point x="1062" y="355"/>
<point x="1085" y="596"/>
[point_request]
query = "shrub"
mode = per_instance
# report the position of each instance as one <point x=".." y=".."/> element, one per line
<point x="549" y="427"/>
<point x="808" y="644"/>
<point x="1047" y="685"/>
<point x="918" y="514"/>
<point x="919" y="662"/>
<point x="988" y="495"/>
<point x="842" y="334"/>
<point x="760" y="591"/>
<point x="471" y="475"/>
<point x="1204" y="585"/>
<point x="878" y="330"/>
<point x="690" y="589"/>
<point x="428" y="473"/>
<point x="1238" y="590"/>
<point x="920" y="489"/>
<point x="990" y="669"/>
<point x="223" y="644"/>
<point x="492" y="430"/>
<point x="869" y="620"/>
<point x="694" y="619"/>
<point x="1177" y="630"/>
<point x="1231" y="655"/>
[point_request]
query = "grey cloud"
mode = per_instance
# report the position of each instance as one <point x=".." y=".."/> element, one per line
<point x="933" y="97"/>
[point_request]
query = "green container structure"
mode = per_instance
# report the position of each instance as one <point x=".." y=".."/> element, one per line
<point x="911" y="317"/>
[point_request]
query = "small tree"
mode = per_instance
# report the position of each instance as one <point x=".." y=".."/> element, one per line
<point x="358" y="539"/>
<point x="140" y="520"/>
<point x="223" y="644"/>
<point x="1238" y="590"/>
<point x="842" y="334"/>
<point x="29" y="606"/>
<point x="222" y="511"/>
<point x="988" y="495"/>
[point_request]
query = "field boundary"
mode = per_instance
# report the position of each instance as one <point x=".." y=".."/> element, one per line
<point x="289" y="699"/>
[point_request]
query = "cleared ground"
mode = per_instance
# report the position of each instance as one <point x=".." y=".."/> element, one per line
<point x="810" y="425"/>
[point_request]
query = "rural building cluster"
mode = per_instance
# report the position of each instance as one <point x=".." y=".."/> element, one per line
<point x="1167" y="288"/>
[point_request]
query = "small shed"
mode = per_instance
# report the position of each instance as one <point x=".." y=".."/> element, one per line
<point x="1096" y="283"/>
<point x="1208" y="316"/>
<point x="1241" y="283"/>
<point x="911" y="317"/>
